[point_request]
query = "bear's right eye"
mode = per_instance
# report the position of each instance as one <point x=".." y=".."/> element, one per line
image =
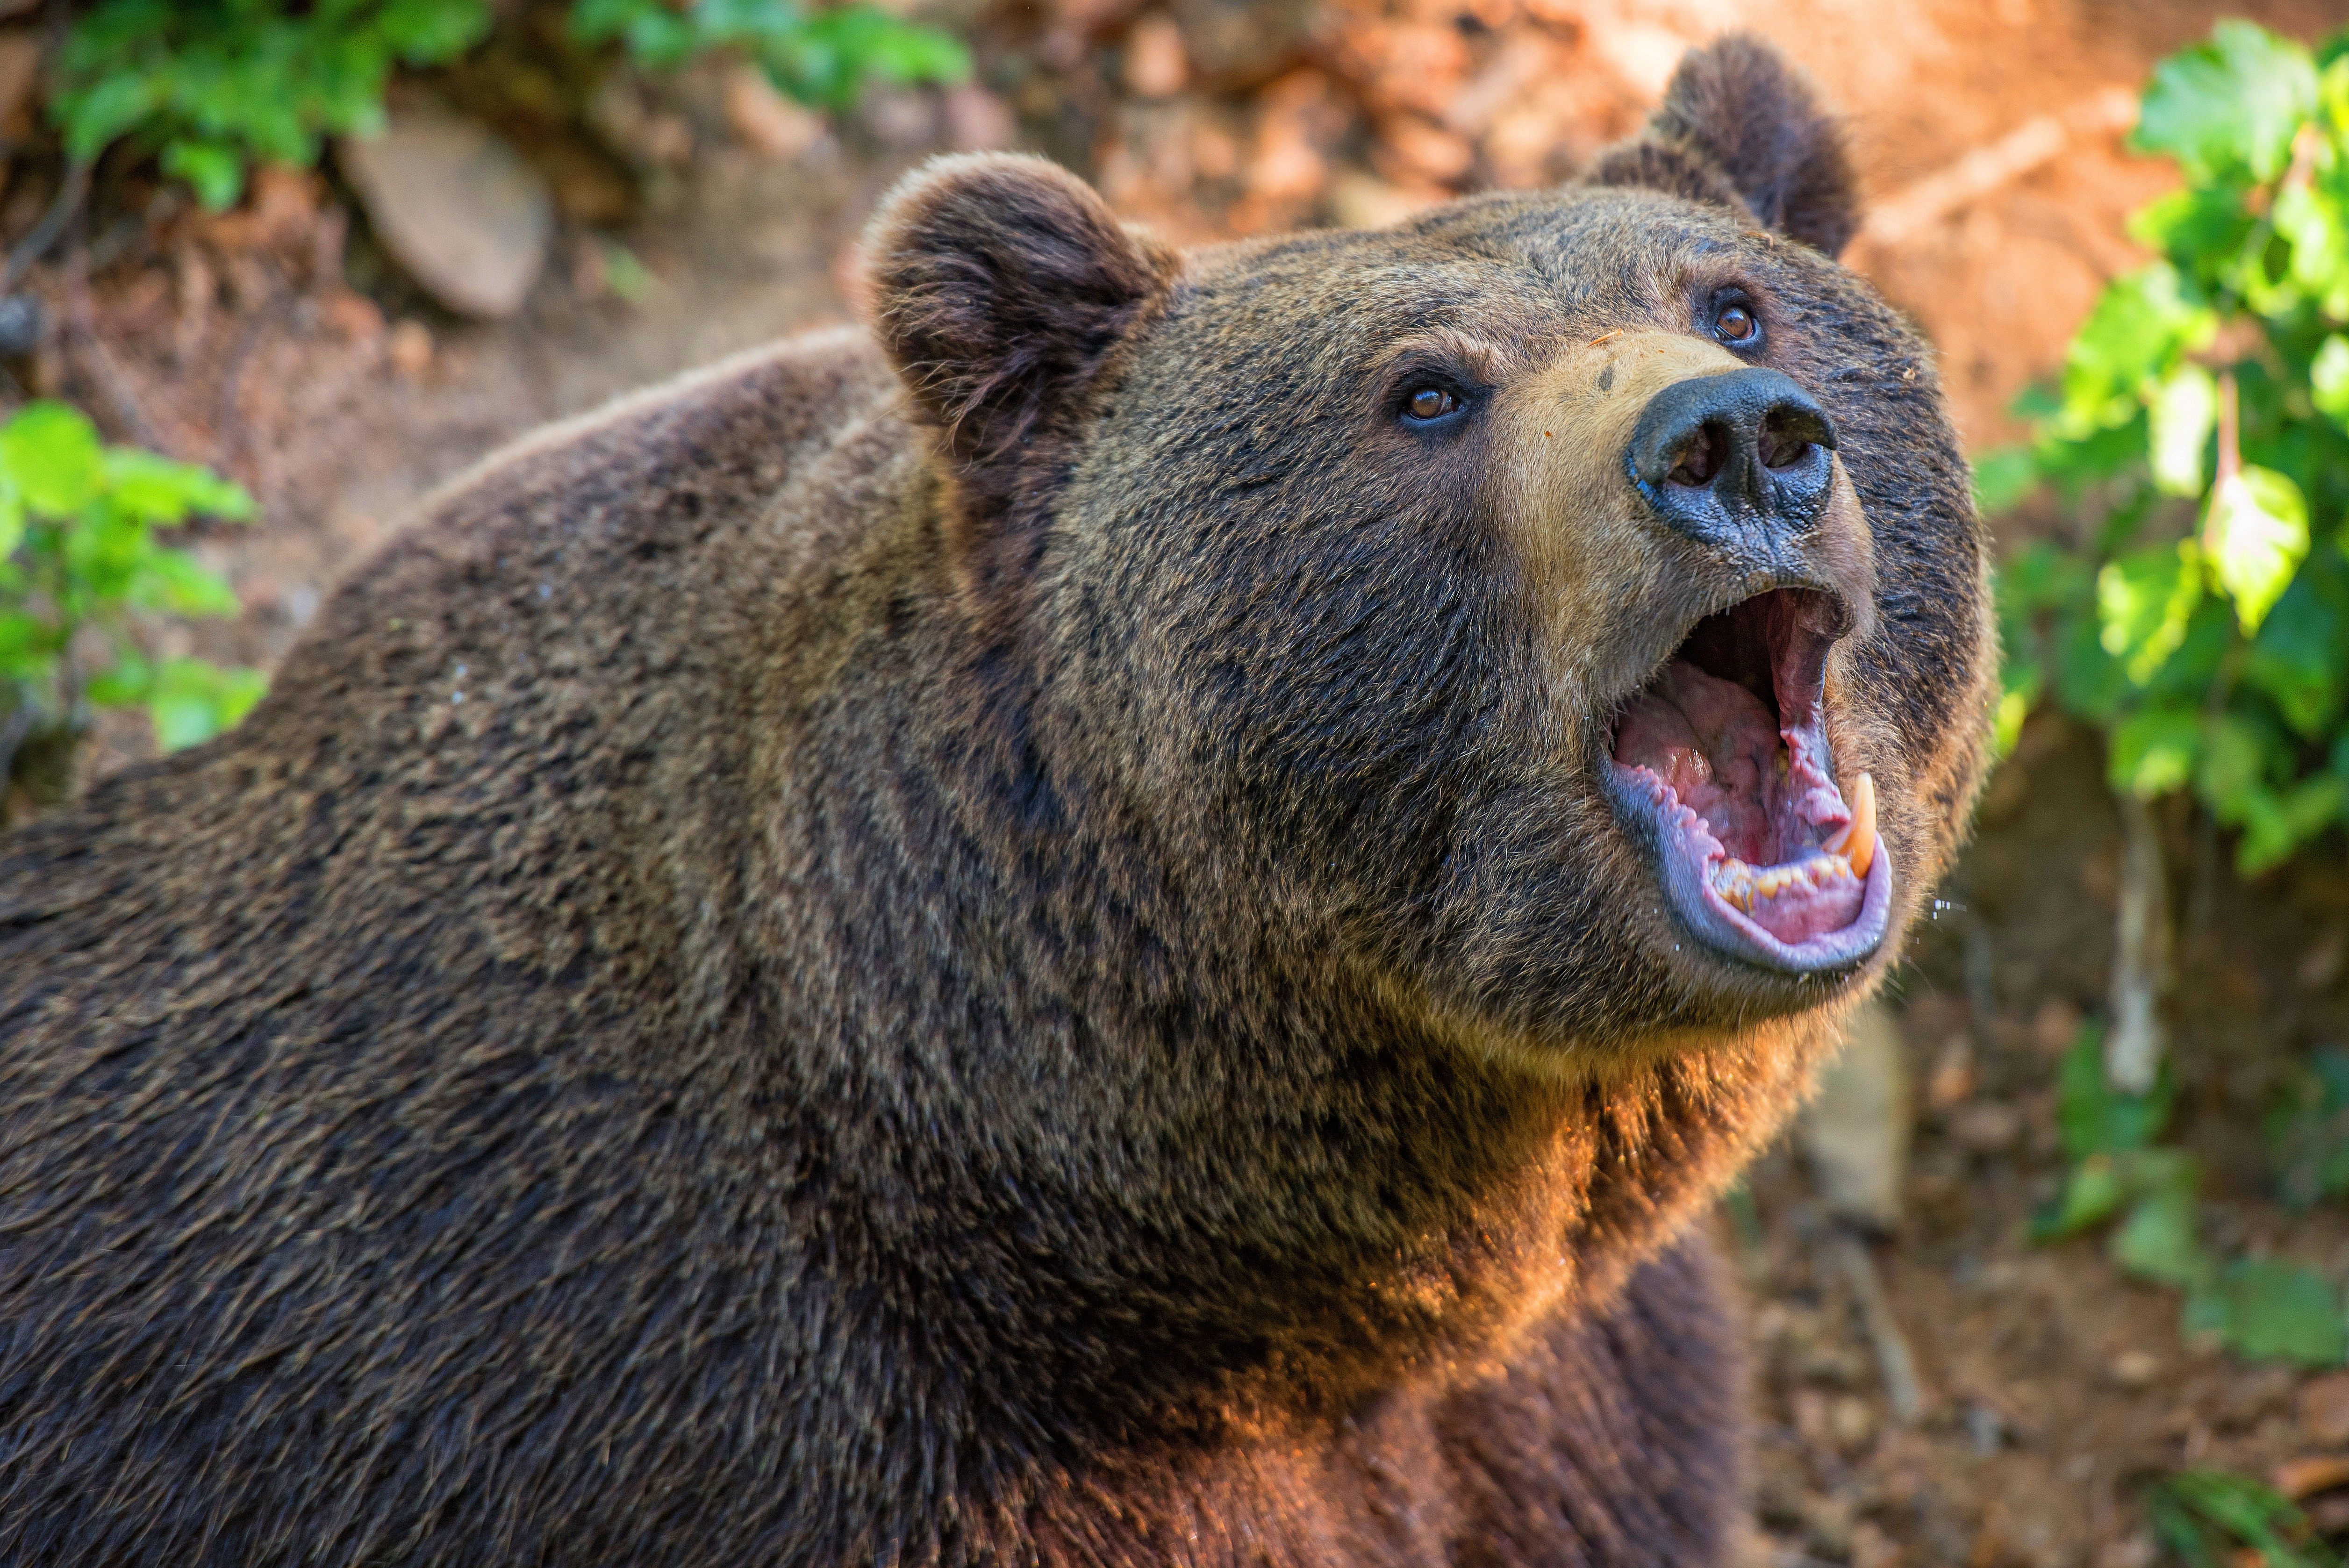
<point x="1430" y="403"/>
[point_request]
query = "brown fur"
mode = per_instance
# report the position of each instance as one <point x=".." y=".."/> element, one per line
<point x="1000" y="949"/>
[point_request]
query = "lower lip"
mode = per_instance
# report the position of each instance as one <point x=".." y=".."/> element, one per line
<point x="1703" y="914"/>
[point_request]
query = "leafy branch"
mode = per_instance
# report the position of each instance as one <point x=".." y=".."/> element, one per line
<point x="79" y="568"/>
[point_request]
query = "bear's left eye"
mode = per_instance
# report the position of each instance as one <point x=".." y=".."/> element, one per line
<point x="1430" y="403"/>
<point x="1736" y="326"/>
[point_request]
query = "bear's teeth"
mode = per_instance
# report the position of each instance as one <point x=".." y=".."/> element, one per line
<point x="1857" y="843"/>
<point x="1742" y="887"/>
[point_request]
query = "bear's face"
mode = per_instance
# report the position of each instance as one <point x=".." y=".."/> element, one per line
<point x="1563" y="612"/>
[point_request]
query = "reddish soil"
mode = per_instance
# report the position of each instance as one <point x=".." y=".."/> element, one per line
<point x="2056" y="1389"/>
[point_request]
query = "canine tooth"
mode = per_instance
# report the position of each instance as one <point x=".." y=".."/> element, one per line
<point x="1857" y="843"/>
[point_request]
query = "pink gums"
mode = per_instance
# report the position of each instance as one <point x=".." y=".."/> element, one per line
<point x="1751" y="803"/>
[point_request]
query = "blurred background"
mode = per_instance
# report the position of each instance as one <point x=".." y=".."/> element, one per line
<point x="2053" y="1274"/>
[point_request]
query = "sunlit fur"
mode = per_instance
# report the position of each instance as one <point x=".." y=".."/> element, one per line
<point x="991" y="942"/>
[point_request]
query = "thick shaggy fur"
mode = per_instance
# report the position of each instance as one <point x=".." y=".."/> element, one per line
<point x="996" y="947"/>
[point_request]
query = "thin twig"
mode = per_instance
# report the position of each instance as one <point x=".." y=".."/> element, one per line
<point x="62" y="211"/>
<point x="81" y="322"/>
<point x="1894" y="1360"/>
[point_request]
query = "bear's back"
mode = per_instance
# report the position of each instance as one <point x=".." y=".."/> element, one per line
<point x="394" y="1031"/>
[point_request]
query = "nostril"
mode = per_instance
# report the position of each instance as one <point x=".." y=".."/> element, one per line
<point x="1788" y="433"/>
<point x="1700" y="457"/>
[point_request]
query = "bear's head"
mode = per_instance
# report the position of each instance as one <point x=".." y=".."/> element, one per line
<point x="1563" y="612"/>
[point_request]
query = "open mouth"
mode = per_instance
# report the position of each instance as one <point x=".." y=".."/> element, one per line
<point x="1723" y="757"/>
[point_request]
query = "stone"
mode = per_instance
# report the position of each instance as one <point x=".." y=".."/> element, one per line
<point x="764" y="120"/>
<point x="977" y="120"/>
<point x="1156" y="64"/>
<point x="410" y="349"/>
<point x="1855" y="1132"/>
<point x="456" y="206"/>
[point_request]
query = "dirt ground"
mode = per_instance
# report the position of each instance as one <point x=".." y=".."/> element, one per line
<point x="278" y="343"/>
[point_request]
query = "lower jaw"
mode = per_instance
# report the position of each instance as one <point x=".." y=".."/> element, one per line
<point x="1705" y="916"/>
<point x="1712" y="921"/>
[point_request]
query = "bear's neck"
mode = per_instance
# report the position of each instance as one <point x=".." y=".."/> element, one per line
<point x="1128" y="1162"/>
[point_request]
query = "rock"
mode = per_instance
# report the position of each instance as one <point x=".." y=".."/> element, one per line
<point x="1156" y="64"/>
<point x="455" y="206"/>
<point x="351" y="316"/>
<point x="764" y="120"/>
<point x="901" y="117"/>
<point x="410" y="349"/>
<point x="1855" y="1132"/>
<point x="20" y="325"/>
<point x="1415" y="148"/>
<point x="2325" y="1409"/>
<point x="977" y="120"/>
<point x="1225" y="38"/>
<point x="1359" y="200"/>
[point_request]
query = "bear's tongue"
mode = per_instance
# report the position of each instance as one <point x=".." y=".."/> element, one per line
<point x="1719" y="749"/>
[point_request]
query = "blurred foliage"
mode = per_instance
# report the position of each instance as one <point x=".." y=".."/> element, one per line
<point x="2201" y="425"/>
<point x="823" y="57"/>
<point x="2200" y="1513"/>
<point x="2119" y="1175"/>
<point x="2308" y="1131"/>
<point x="213" y="87"/>
<point x="81" y="564"/>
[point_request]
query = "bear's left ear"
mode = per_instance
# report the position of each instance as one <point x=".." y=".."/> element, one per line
<point x="1000" y="282"/>
<point x="1741" y="127"/>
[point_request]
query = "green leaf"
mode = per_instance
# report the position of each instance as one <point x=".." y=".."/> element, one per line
<point x="215" y="168"/>
<point x="2231" y="106"/>
<point x="2255" y="536"/>
<point x="2003" y="476"/>
<point x="2246" y="1510"/>
<point x="92" y="118"/>
<point x="50" y="454"/>
<point x="2143" y="601"/>
<point x="27" y="644"/>
<point x="2160" y="1239"/>
<point x="180" y="585"/>
<point x="2094" y="1192"/>
<point x="2272" y="1310"/>
<point x="124" y="683"/>
<point x="2181" y="417"/>
<point x="2308" y="1130"/>
<point x="191" y="701"/>
<point x="2328" y="378"/>
<point x="2095" y="1118"/>
<point x="2142" y="324"/>
<point x="2006" y="723"/>
<point x="157" y="489"/>
<point x="2301" y="657"/>
<point x="2154" y="751"/>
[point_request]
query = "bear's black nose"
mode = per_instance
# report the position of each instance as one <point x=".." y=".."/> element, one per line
<point x="1737" y="460"/>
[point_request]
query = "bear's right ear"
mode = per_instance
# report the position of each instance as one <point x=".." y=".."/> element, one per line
<point x="1000" y="282"/>
<point x="1741" y="127"/>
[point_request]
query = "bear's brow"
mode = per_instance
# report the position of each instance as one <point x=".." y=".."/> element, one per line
<point x="1481" y="359"/>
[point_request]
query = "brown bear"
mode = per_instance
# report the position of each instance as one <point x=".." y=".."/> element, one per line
<point x="1121" y="924"/>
